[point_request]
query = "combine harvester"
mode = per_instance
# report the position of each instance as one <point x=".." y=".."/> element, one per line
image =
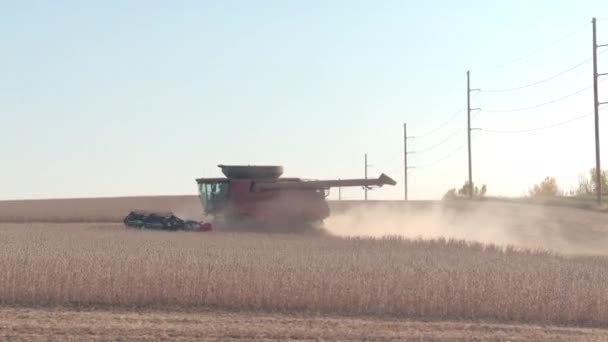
<point x="256" y="198"/>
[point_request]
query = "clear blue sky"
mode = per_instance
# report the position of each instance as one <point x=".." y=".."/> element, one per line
<point x="114" y="98"/>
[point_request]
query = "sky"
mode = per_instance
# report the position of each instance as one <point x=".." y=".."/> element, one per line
<point x="127" y="98"/>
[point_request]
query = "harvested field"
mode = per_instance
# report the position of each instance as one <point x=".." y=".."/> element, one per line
<point x="109" y="209"/>
<point x="561" y="228"/>
<point x="20" y="324"/>
<point x="70" y="278"/>
<point x="104" y="265"/>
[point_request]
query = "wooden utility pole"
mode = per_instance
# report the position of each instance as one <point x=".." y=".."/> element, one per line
<point x="405" y="153"/>
<point x="469" y="133"/>
<point x="366" y="176"/>
<point x="596" y="106"/>
<point x="469" y="109"/>
<point x="405" y="161"/>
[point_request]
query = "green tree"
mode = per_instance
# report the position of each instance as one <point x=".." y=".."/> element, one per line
<point x="450" y="194"/>
<point x="587" y="185"/>
<point x="547" y="188"/>
<point x="463" y="192"/>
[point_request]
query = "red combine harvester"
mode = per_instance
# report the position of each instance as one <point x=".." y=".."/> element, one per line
<point x="257" y="198"/>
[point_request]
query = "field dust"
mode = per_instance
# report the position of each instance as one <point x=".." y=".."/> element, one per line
<point x="560" y="229"/>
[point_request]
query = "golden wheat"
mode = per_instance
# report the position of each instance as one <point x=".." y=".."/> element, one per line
<point x="88" y="264"/>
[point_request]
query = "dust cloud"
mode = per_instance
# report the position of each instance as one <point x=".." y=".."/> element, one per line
<point x="559" y="229"/>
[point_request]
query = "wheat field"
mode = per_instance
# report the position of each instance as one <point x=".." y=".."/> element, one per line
<point x="106" y="265"/>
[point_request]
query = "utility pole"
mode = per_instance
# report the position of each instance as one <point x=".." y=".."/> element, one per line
<point x="366" y="165"/>
<point x="405" y="161"/>
<point x="469" y="109"/>
<point x="405" y="153"/>
<point x="596" y="106"/>
<point x="469" y="133"/>
<point x="339" y="193"/>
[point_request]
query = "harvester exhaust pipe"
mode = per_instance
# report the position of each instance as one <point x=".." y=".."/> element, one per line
<point x="322" y="184"/>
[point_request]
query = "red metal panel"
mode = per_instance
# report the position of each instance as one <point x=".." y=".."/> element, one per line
<point x="276" y="207"/>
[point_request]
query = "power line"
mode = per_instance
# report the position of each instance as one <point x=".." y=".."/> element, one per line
<point x="432" y="131"/>
<point x="433" y="163"/>
<point x="452" y="117"/>
<point x="538" y="105"/>
<point x="561" y="123"/>
<point x="432" y="147"/>
<point x="438" y="127"/>
<point x="528" y="85"/>
<point x="453" y="134"/>
<point x="535" y="51"/>
<point x="538" y="82"/>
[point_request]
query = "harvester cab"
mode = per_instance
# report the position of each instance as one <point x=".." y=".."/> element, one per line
<point x="213" y="194"/>
<point x="258" y="196"/>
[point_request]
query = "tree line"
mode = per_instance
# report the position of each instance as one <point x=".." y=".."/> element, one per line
<point x="548" y="187"/>
<point x="586" y="186"/>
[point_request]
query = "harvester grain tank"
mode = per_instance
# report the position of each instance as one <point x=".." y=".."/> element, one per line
<point x="257" y="197"/>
